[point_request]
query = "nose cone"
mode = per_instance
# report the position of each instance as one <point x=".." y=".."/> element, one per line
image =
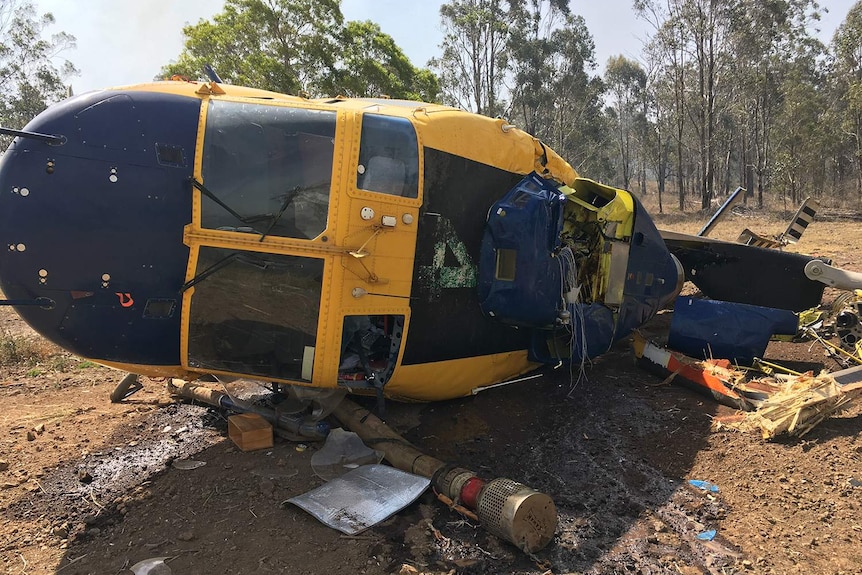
<point x="96" y="224"/>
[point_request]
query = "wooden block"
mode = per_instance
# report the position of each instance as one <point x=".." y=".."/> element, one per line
<point x="249" y="431"/>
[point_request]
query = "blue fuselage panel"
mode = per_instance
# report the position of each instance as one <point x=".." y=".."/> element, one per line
<point x="96" y="224"/>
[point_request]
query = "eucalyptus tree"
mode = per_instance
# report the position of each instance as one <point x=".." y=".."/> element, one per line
<point x="531" y="56"/>
<point x="657" y="125"/>
<point x="847" y="49"/>
<point x="474" y="61"/>
<point x="669" y="55"/>
<point x="727" y="60"/>
<point x="300" y="47"/>
<point x="625" y="81"/>
<point x="32" y="69"/>
<point x="800" y="127"/>
<point x="554" y="90"/>
<point x="282" y="45"/>
<point x="694" y="36"/>
<point x="768" y="36"/>
<point x="370" y="63"/>
<point x="577" y="128"/>
<point x="707" y="23"/>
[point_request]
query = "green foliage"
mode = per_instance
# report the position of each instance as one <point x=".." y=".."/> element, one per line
<point x="798" y="146"/>
<point x="740" y="90"/>
<point x="31" y="70"/>
<point x="533" y="62"/>
<point x="280" y="45"/>
<point x="626" y="82"/>
<point x="847" y="75"/>
<point x="299" y="47"/>
<point x="59" y="362"/>
<point x="847" y="43"/>
<point x="37" y="354"/>
<point x="370" y="63"/>
<point x="567" y="100"/>
<point x="726" y="92"/>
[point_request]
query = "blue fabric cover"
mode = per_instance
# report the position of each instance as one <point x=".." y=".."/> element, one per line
<point x="703" y="329"/>
<point x="529" y="220"/>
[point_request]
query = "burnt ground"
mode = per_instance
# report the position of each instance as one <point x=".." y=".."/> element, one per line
<point x="87" y="486"/>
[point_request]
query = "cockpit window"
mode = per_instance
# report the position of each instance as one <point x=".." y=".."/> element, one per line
<point x="267" y="169"/>
<point x="255" y="314"/>
<point x="388" y="156"/>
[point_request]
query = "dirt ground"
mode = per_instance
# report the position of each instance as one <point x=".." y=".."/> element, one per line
<point x="87" y="486"/>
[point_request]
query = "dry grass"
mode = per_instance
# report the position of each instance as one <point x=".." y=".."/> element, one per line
<point x="23" y="350"/>
<point x="28" y="416"/>
<point x="36" y="354"/>
<point x="835" y="227"/>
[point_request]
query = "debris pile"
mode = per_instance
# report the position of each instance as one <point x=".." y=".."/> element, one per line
<point x="772" y="399"/>
<point x="796" y="407"/>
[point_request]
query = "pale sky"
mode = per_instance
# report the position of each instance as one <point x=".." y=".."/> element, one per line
<point x="128" y="41"/>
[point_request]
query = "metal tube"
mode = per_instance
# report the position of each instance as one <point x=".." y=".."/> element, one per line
<point x="295" y="424"/>
<point x="510" y="510"/>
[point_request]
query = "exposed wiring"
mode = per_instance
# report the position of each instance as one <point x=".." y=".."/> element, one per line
<point x="570" y="298"/>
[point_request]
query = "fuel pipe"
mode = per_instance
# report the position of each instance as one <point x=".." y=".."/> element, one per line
<point x="510" y="510"/>
<point x="293" y="425"/>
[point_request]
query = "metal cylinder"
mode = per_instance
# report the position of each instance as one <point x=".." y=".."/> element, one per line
<point x="510" y="510"/>
<point x="518" y="514"/>
<point x="452" y="482"/>
<point x="294" y="424"/>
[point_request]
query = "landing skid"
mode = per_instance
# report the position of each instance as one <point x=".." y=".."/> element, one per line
<point x="127" y="387"/>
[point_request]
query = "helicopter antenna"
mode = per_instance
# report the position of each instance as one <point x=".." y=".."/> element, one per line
<point x="211" y="74"/>
<point x="49" y="138"/>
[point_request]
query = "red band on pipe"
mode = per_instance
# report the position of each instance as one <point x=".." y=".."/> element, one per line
<point x="470" y="492"/>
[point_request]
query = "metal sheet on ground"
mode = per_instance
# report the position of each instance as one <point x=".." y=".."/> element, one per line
<point x="362" y="498"/>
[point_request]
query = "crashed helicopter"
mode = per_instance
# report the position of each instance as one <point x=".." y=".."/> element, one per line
<point x="395" y="248"/>
<point x="412" y="250"/>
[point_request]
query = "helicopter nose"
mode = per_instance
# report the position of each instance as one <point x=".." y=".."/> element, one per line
<point x="94" y="223"/>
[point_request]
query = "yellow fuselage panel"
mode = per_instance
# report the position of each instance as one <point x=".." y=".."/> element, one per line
<point x="457" y="377"/>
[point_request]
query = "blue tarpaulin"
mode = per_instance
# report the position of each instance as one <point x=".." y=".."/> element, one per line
<point x="704" y="329"/>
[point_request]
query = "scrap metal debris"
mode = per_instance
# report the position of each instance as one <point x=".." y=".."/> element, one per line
<point x="342" y="452"/>
<point x="716" y="377"/>
<point x="842" y="320"/>
<point x="796" y="408"/>
<point x="361" y="498"/>
<point x="704" y="485"/>
<point x="152" y="566"/>
<point x="707" y="535"/>
<point x="791" y="404"/>
<point x="187" y="464"/>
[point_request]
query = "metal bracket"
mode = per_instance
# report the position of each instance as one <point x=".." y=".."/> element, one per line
<point x="822" y="272"/>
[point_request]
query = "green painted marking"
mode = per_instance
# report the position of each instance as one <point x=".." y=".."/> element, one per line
<point x="439" y="276"/>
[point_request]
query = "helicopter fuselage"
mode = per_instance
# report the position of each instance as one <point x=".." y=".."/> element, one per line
<point x="175" y="229"/>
